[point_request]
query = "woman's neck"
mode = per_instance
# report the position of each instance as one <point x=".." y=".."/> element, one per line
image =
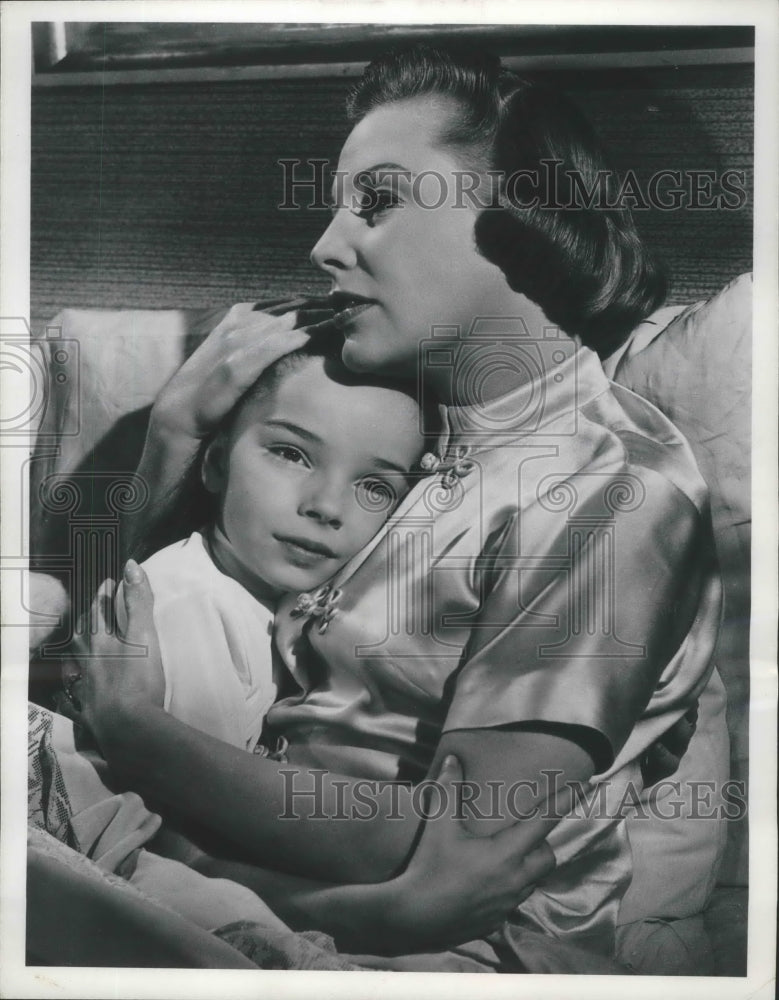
<point x="499" y="355"/>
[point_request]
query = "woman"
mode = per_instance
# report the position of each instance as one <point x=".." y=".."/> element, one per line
<point x="543" y="607"/>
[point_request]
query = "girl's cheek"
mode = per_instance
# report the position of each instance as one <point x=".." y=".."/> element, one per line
<point x="266" y="467"/>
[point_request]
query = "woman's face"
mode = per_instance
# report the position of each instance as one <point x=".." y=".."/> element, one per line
<point x="401" y="240"/>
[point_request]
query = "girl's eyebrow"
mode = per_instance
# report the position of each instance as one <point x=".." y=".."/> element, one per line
<point x="295" y="429"/>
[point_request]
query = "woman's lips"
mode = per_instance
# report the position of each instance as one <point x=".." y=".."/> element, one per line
<point x="348" y="307"/>
<point x="347" y="316"/>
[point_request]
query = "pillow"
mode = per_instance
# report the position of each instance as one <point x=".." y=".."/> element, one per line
<point x="697" y="370"/>
<point x="105" y="369"/>
<point x="105" y="364"/>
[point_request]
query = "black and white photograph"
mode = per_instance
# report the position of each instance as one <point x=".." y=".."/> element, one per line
<point x="388" y="393"/>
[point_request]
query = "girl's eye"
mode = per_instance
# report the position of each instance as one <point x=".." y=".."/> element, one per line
<point x="377" y="496"/>
<point x="289" y="453"/>
<point x="374" y="202"/>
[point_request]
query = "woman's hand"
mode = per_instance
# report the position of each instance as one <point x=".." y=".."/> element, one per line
<point x="457" y="886"/>
<point x="120" y="673"/>
<point x="209" y="384"/>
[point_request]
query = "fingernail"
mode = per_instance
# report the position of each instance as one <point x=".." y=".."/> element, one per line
<point x="449" y="760"/>
<point x="132" y="572"/>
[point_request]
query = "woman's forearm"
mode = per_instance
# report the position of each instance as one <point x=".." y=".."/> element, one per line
<point x="294" y="819"/>
<point x="371" y="919"/>
<point x="413" y="912"/>
<point x="357" y="917"/>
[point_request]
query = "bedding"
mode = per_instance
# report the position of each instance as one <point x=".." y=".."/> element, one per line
<point x="697" y="369"/>
<point x="88" y="858"/>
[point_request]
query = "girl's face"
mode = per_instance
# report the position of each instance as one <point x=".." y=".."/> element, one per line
<point x="309" y="472"/>
<point x="411" y="266"/>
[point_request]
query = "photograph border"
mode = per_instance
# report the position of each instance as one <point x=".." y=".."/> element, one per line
<point x="17" y="980"/>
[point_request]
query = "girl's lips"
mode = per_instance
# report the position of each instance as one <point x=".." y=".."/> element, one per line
<point x="304" y="553"/>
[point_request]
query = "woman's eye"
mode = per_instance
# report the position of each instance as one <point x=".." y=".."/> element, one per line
<point x="374" y="202"/>
<point x="288" y="453"/>
<point x="377" y="496"/>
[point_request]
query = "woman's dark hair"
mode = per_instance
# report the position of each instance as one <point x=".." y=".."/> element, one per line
<point x="191" y="506"/>
<point x="583" y="263"/>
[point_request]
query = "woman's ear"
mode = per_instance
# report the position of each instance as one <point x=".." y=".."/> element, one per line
<point x="213" y="470"/>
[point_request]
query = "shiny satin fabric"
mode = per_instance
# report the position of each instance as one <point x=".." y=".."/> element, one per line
<point x="557" y="565"/>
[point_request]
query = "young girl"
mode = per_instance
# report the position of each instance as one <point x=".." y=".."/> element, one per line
<point x="301" y="474"/>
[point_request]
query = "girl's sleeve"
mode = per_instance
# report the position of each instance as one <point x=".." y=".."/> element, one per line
<point x="596" y="618"/>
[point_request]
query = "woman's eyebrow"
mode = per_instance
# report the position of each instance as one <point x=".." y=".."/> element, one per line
<point x="396" y="168"/>
<point x="287" y="425"/>
<point x="373" y="173"/>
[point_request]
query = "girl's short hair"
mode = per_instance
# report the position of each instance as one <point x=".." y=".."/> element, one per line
<point x="584" y="264"/>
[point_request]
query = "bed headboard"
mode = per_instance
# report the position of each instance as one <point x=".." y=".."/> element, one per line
<point x="166" y="195"/>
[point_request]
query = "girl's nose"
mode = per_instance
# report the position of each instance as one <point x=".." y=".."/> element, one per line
<point x="335" y="251"/>
<point x="324" y="504"/>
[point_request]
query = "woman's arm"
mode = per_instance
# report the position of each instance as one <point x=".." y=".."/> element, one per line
<point x="486" y="879"/>
<point x="343" y="831"/>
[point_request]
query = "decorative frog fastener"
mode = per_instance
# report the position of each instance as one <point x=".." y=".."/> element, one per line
<point x="321" y="605"/>
<point x="455" y="466"/>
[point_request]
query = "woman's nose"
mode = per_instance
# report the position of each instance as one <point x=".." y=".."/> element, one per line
<point x="335" y="251"/>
